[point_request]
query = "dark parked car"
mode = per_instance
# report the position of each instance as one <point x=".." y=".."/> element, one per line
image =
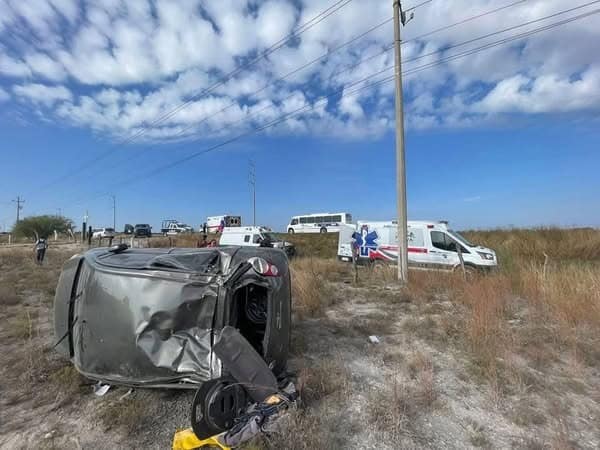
<point x="129" y="229"/>
<point x="142" y="229"/>
<point x="150" y="317"/>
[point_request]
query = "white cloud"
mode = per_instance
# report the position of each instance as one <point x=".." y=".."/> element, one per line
<point x="41" y="64"/>
<point x="42" y="94"/>
<point x="117" y="66"/>
<point x="4" y="95"/>
<point x="13" y="67"/>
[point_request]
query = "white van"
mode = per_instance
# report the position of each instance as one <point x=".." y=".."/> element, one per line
<point x="318" y="223"/>
<point x="254" y="237"/>
<point x="431" y="245"/>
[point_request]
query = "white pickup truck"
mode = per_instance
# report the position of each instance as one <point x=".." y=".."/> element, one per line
<point x="170" y="227"/>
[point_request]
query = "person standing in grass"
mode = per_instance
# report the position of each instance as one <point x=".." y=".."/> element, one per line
<point x="40" y="250"/>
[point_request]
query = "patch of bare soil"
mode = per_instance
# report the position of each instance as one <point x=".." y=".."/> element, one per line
<point x="421" y="387"/>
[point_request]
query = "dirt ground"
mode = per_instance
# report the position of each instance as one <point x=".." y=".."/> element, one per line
<point x="417" y="387"/>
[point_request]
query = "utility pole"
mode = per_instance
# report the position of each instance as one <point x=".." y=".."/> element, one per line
<point x="400" y="17"/>
<point x="114" y="199"/>
<point x="19" y="201"/>
<point x="252" y="182"/>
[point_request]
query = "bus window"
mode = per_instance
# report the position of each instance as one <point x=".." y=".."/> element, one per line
<point x="348" y="218"/>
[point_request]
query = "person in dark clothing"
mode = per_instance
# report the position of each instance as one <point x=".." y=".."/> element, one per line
<point x="40" y="250"/>
<point x="203" y="243"/>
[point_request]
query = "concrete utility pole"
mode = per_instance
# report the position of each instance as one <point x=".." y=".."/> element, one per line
<point x="19" y="201"/>
<point x="114" y="199"/>
<point x="400" y="17"/>
<point x="252" y="181"/>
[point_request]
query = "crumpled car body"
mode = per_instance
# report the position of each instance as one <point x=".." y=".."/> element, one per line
<point x="150" y="317"/>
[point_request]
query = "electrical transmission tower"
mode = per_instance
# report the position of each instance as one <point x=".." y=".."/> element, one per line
<point x="19" y="201"/>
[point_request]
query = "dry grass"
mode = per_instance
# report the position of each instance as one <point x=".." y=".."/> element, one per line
<point x="8" y="294"/>
<point x="395" y="408"/>
<point x="129" y="414"/>
<point x="323" y="378"/>
<point x="310" y="290"/>
<point x="530" y="245"/>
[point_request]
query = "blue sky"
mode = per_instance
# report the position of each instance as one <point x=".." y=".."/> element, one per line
<point x="544" y="174"/>
<point x="504" y="137"/>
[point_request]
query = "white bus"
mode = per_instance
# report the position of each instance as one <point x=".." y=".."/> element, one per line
<point x="318" y="223"/>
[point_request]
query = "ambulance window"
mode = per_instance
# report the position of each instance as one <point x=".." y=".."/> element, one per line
<point x="415" y="237"/>
<point x="247" y="238"/>
<point x="442" y="241"/>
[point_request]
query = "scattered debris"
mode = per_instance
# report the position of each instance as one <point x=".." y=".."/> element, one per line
<point x="374" y="340"/>
<point x="100" y="389"/>
<point x="126" y="394"/>
<point x="238" y="406"/>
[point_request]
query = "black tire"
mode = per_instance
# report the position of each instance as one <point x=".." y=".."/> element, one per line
<point x="323" y="230"/>
<point x="290" y="231"/>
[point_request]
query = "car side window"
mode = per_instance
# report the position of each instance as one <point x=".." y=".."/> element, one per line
<point x="443" y="241"/>
<point x="294" y="222"/>
<point x="247" y="238"/>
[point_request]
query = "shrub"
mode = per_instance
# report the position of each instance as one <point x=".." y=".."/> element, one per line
<point x="44" y="226"/>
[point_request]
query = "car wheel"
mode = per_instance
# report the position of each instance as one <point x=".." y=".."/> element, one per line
<point x="323" y="230"/>
<point x="291" y="231"/>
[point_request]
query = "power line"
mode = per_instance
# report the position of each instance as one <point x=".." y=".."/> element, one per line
<point x="305" y="108"/>
<point x="276" y="46"/>
<point x="345" y="94"/>
<point x="165" y="116"/>
<point x="416" y="58"/>
<point x="470" y="41"/>
<point x="337" y="73"/>
<point x="279" y="44"/>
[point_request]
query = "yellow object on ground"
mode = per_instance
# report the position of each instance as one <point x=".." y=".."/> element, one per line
<point x="187" y="440"/>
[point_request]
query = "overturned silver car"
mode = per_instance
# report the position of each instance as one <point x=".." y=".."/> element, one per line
<point x="150" y="317"/>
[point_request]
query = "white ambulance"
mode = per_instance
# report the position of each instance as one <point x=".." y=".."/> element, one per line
<point x="431" y="245"/>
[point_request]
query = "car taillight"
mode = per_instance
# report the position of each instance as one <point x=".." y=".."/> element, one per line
<point x="263" y="267"/>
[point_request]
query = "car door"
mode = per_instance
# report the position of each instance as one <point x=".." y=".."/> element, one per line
<point x="443" y="252"/>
